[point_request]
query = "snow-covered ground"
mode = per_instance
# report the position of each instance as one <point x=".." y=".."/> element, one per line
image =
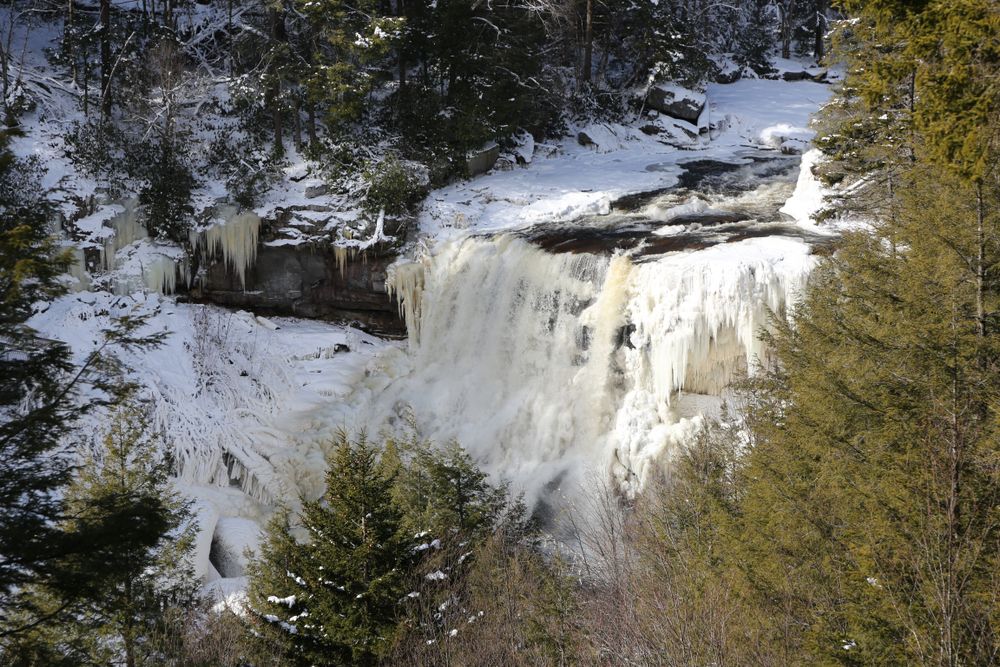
<point x="232" y="397"/>
<point x="566" y="180"/>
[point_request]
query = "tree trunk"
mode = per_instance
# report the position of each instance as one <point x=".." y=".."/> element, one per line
<point x="278" y="34"/>
<point x="588" y="41"/>
<point x="297" y="124"/>
<point x="818" y="47"/>
<point x="786" y="31"/>
<point x="70" y="25"/>
<point x="105" y="58"/>
<point x="311" y="125"/>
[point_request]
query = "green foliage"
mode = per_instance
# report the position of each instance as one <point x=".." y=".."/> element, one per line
<point x="36" y="415"/>
<point x="335" y="599"/>
<point x="394" y="187"/>
<point x="39" y="392"/>
<point x="166" y="195"/>
<point x="869" y="493"/>
<point x="122" y="492"/>
<point x="482" y="82"/>
<point x="350" y="35"/>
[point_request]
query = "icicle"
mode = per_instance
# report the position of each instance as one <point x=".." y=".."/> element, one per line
<point x="236" y="239"/>
<point x="161" y="274"/>
<point x="78" y="269"/>
<point x="543" y="364"/>
<point x="405" y="281"/>
<point x="341" y="256"/>
<point x="127" y="230"/>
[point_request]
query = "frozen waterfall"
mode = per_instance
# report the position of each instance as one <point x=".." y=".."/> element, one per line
<point x="547" y="364"/>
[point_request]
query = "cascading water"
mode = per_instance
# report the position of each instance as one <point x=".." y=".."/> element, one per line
<point x="547" y="364"/>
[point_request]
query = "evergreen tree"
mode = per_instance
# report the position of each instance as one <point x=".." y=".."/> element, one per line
<point x="335" y="599"/>
<point x="126" y="618"/>
<point x="444" y="492"/>
<point x="871" y="506"/>
<point x="39" y="408"/>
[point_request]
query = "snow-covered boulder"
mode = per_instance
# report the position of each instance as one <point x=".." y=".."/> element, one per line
<point x="676" y="102"/>
<point x="602" y="137"/>
<point x="482" y="160"/>
<point x="524" y="147"/>
<point x="206" y="518"/>
<point x="234" y="539"/>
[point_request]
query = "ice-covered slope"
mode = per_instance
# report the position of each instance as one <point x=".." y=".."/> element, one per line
<point x="231" y="396"/>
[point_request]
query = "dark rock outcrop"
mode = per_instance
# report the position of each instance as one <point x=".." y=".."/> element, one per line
<point x="676" y="102"/>
<point x="481" y="161"/>
<point x="306" y="281"/>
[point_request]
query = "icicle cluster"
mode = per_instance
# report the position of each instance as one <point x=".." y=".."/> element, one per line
<point x="127" y="230"/>
<point x="235" y="239"/>
<point x="405" y="281"/>
<point x="160" y="274"/>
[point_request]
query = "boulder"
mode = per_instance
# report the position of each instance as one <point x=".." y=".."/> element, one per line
<point x="676" y="102"/>
<point x="232" y="543"/>
<point x="796" y="76"/>
<point x="314" y="191"/>
<point x="730" y="75"/>
<point x="482" y="160"/>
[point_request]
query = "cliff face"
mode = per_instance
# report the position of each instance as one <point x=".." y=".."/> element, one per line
<point x="307" y="281"/>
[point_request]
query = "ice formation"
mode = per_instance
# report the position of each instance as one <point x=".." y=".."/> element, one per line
<point x="235" y="239"/>
<point x="161" y="272"/>
<point x="127" y="230"/>
<point x="405" y="281"/>
<point x="544" y="365"/>
<point x="135" y="261"/>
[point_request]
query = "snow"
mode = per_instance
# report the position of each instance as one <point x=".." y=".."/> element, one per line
<point x="514" y="351"/>
<point x="578" y="180"/>
<point x="231" y="398"/>
<point x="520" y="359"/>
<point x="808" y="198"/>
<point x="235" y="540"/>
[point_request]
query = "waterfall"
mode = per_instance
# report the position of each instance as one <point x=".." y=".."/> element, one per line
<point x="545" y="365"/>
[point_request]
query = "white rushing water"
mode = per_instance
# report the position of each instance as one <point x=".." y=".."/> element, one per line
<point x="548" y="365"/>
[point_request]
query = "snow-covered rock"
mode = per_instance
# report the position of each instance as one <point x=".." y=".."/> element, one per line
<point x="676" y="101"/>
<point x="234" y="540"/>
<point x="481" y="161"/>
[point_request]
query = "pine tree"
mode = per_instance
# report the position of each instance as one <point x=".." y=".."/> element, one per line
<point x="444" y="492"/>
<point x="131" y="475"/>
<point x="39" y="408"/>
<point x="335" y="599"/>
<point x="872" y="507"/>
<point x="124" y="482"/>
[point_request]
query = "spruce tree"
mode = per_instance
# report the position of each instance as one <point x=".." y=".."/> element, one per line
<point x="40" y="407"/>
<point x="335" y="599"/>
<point x="871" y="510"/>
<point x="143" y="584"/>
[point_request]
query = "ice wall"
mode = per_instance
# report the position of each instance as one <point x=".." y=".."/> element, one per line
<point x="546" y="365"/>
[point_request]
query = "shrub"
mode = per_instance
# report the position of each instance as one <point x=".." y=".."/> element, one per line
<point x="394" y="186"/>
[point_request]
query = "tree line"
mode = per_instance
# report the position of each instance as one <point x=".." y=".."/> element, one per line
<point x="177" y="93"/>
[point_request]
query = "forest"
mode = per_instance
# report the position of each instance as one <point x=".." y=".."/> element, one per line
<point x="841" y="508"/>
